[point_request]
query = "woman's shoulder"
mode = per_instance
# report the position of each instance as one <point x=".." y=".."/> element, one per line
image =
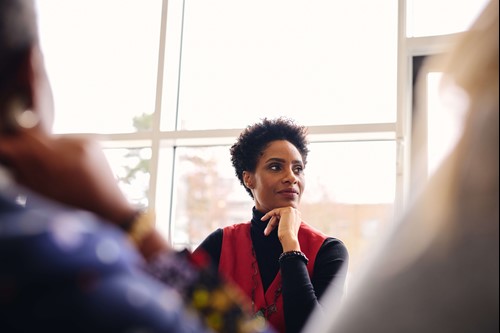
<point x="334" y="246"/>
<point x="237" y="226"/>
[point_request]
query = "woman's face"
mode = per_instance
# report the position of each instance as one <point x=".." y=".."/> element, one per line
<point x="278" y="180"/>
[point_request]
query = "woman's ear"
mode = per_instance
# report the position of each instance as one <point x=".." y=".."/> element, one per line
<point x="248" y="179"/>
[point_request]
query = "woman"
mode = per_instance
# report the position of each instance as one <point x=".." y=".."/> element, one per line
<point x="280" y="262"/>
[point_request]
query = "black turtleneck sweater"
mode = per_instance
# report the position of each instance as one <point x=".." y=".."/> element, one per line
<point x="300" y="293"/>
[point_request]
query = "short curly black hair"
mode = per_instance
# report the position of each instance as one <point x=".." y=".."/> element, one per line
<point x="251" y="143"/>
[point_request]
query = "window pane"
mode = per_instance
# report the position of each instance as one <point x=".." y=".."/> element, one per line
<point x="349" y="193"/>
<point x="101" y="58"/>
<point x="306" y="60"/>
<point x="131" y="168"/>
<point x="207" y="195"/>
<point x="440" y="17"/>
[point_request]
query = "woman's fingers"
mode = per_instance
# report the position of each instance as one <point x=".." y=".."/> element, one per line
<point x="273" y="223"/>
<point x="287" y="220"/>
<point x="289" y="217"/>
<point x="274" y="219"/>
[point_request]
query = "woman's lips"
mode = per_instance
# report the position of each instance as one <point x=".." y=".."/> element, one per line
<point x="291" y="194"/>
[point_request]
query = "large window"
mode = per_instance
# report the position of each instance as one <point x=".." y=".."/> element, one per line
<point x="168" y="85"/>
<point x="239" y="61"/>
<point x="102" y="60"/>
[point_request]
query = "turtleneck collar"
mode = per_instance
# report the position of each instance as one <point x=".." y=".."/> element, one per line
<point x="267" y="248"/>
<point x="256" y="222"/>
<point x="258" y="226"/>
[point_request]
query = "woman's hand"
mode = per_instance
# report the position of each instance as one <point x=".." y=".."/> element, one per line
<point x="287" y="220"/>
<point x="70" y="170"/>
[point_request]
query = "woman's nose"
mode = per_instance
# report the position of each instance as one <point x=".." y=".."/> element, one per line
<point x="290" y="176"/>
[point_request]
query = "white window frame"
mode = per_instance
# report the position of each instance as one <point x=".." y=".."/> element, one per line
<point x="398" y="131"/>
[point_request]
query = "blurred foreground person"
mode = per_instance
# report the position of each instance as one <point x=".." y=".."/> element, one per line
<point x="439" y="269"/>
<point x="77" y="256"/>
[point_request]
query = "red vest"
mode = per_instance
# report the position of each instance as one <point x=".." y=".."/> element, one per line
<point x="236" y="264"/>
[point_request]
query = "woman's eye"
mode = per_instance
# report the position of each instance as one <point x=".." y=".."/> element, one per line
<point x="275" y="167"/>
<point x="298" y="169"/>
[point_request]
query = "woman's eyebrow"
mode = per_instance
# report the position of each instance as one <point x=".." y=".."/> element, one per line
<point x="281" y="160"/>
<point x="275" y="159"/>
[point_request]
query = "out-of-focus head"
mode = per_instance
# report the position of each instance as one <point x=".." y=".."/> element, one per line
<point x="469" y="84"/>
<point x="25" y="93"/>
<point x="437" y="271"/>
<point x="248" y="148"/>
<point x="473" y="66"/>
<point x="466" y="183"/>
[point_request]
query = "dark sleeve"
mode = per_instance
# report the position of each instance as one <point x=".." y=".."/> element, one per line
<point x="212" y="246"/>
<point x="300" y="293"/>
<point x="330" y="268"/>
